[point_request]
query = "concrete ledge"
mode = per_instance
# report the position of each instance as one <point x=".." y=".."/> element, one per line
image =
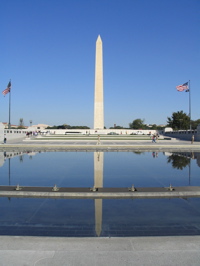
<point x="101" y="193"/>
<point x="135" y="147"/>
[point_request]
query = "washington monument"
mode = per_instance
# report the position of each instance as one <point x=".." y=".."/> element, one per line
<point x="98" y="91"/>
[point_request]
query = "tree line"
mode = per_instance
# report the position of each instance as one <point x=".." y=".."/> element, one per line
<point x="65" y="126"/>
<point x="179" y="120"/>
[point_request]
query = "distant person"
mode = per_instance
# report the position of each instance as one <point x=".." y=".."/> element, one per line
<point x="192" y="140"/>
<point x="157" y="136"/>
<point x="4" y="140"/>
<point x="153" y="139"/>
<point x="98" y="142"/>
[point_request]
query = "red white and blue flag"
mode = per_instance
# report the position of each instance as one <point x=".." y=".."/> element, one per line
<point x="183" y="87"/>
<point x="7" y="90"/>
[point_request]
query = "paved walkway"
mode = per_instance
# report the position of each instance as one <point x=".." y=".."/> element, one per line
<point x="150" y="251"/>
<point x="112" y="144"/>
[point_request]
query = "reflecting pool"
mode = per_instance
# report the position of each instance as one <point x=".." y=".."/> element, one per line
<point x="99" y="217"/>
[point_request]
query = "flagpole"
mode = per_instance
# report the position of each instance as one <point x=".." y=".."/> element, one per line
<point x="190" y="103"/>
<point x="9" y="125"/>
<point x="9" y="170"/>
<point x="189" y="170"/>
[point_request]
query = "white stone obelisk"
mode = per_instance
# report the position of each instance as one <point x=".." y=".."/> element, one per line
<point x="98" y="93"/>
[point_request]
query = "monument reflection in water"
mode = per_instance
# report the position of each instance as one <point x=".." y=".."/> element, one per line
<point x="98" y="182"/>
<point x="97" y="217"/>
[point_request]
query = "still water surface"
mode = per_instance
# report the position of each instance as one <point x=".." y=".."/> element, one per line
<point x="97" y="217"/>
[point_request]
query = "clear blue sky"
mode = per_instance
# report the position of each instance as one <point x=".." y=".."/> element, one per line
<point x="48" y="51"/>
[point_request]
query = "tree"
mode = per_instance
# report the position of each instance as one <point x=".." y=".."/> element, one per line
<point x="178" y="162"/>
<point x="137" y="124"/>
<point x="21" y="123"/>
<point x="116" y="127"/>
<point x="179" y="120"/>
<point x="195" y="123"/>
<point x="154" y="126"/>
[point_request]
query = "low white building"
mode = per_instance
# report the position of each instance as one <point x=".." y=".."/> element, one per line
<point x="38" y="127"/>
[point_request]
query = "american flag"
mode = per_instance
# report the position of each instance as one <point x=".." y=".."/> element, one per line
<point x="182" y="87"/>
<point x="7" y="90"/>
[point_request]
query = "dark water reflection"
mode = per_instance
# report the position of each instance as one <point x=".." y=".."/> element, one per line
<point x="108" y="217"/>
